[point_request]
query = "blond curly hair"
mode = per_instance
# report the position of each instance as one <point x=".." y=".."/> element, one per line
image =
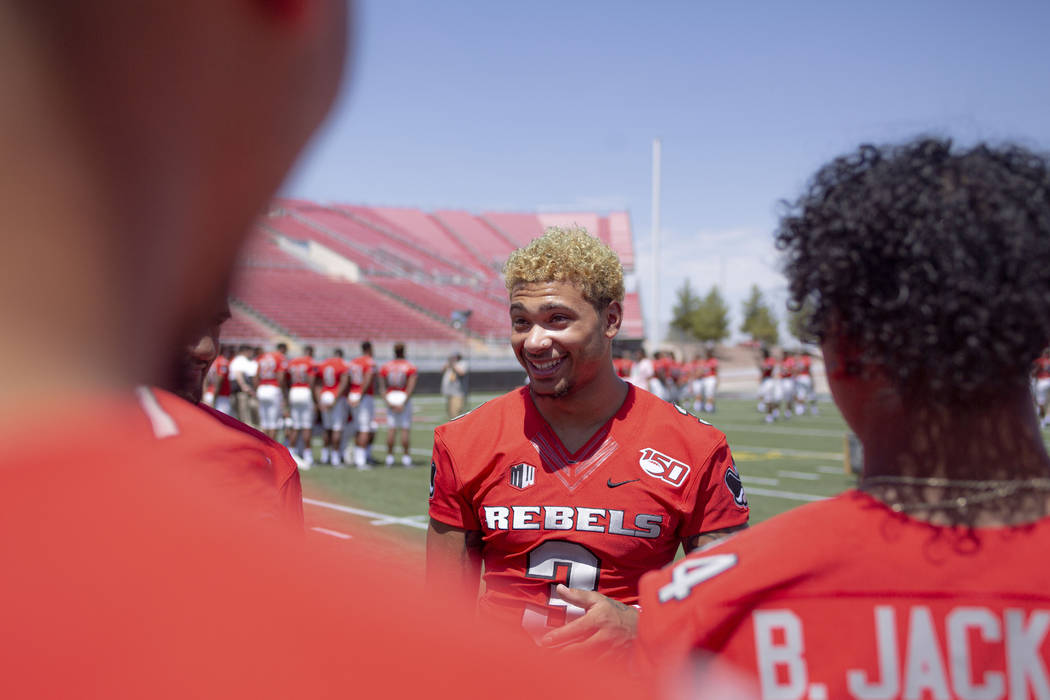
<point x="569" y="255"/>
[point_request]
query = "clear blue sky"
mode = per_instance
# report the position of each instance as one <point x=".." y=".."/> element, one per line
<point x="487" y="104"/>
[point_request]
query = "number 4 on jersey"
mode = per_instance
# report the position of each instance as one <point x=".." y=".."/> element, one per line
<point x="692" y="572"/>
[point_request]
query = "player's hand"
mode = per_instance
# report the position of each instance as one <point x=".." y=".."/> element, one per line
<point x="395" y="409"/>
<point x="606" y="629"/>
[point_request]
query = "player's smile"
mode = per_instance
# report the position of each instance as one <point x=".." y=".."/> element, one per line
<point x="543" y="369"/>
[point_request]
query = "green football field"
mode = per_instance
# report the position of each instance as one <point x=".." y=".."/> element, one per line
<point x="782" y="465"/>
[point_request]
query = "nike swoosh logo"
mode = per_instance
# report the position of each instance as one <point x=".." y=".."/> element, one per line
<point x="610" y="484"/>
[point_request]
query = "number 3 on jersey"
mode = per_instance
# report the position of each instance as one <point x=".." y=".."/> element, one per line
<point x="559" y="561"/>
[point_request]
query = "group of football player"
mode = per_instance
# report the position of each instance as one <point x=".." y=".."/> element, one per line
<point x="785" y="385"/>
<point x="144" y="137"/>
<point x="289" y="399"/>
<point x="693" y="383"/>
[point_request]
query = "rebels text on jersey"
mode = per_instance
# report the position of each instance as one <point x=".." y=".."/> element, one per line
<point x="597" y="519"/>
<point x="918" y="611"/>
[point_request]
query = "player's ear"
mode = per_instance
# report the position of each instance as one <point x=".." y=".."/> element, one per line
<point x="612" y="316"/>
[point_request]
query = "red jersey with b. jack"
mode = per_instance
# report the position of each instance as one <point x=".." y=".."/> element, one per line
<point x="596" y="519"/>
<point x="846" y="598"/>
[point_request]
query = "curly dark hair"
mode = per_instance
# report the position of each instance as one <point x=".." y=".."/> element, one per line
<point x="933" y="262"/>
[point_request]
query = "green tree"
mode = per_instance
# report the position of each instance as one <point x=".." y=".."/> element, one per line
<point x="684" y="309"/>
<point x="759" y="320"/>
<point x="711" y="318"/>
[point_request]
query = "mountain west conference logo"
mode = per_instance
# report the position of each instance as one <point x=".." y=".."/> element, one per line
<point x="522" y="476"/>
<point x="660" y="466"/>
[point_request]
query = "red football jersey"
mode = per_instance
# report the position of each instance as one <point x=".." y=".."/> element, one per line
<point x="131" y="577"/>
<point x="597" y="519"/>
<point x="359" y="367"/>
<point x="271" y="364"/>
<point x="396" y="373"/>
<point x="245" y="465"/>
<point x="302" y="370"/>
<point x="220" y="374"/>
<point x="288" y="505"/>
<point x="1042" y="368"/>
<point x="803" y="365"/>
<point x="622" y="366"/>
<point x="711" y="367"/>
<point x="787" y="368"/>
<point x="662" y="368"/>
<point x="847" y="599"/>
<point x="331" y="371"/>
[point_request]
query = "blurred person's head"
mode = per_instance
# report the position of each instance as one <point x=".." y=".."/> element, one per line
<point x="366" y="348"/>
<point x="196" y="357"/>
<point x="149" y="135"/>
<point x="399" y="351"/>
<point x="337" y="352"/>
<point x="282" y="348"/>
<point x="927" y="267"/>
<point x="308" y="350"/>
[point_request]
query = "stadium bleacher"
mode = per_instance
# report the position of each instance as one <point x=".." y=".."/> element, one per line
<point x="422" y="228"/>
<point x="402" y="272"/>
<point x="488" y="318"/>
<point x="484" y="241"/>
<point x="243" y="328"/>
<point x="308" y="305"/>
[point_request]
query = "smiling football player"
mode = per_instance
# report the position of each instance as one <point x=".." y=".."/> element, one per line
<point x="579" y="478"/>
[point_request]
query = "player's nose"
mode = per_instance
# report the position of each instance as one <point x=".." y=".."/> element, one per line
<point x="537" y="340"/>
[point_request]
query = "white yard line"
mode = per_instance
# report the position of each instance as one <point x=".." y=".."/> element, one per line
<point x="377" y="518"/>
<point x="760" y="480"/>
<point x="808" y="476"/>
<point x="839" y="470"/>
<point x="333" y="533"/>
<point x="762" y="427"/>
<point x="789" y="495"/>
<point x="787" y="452"/>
